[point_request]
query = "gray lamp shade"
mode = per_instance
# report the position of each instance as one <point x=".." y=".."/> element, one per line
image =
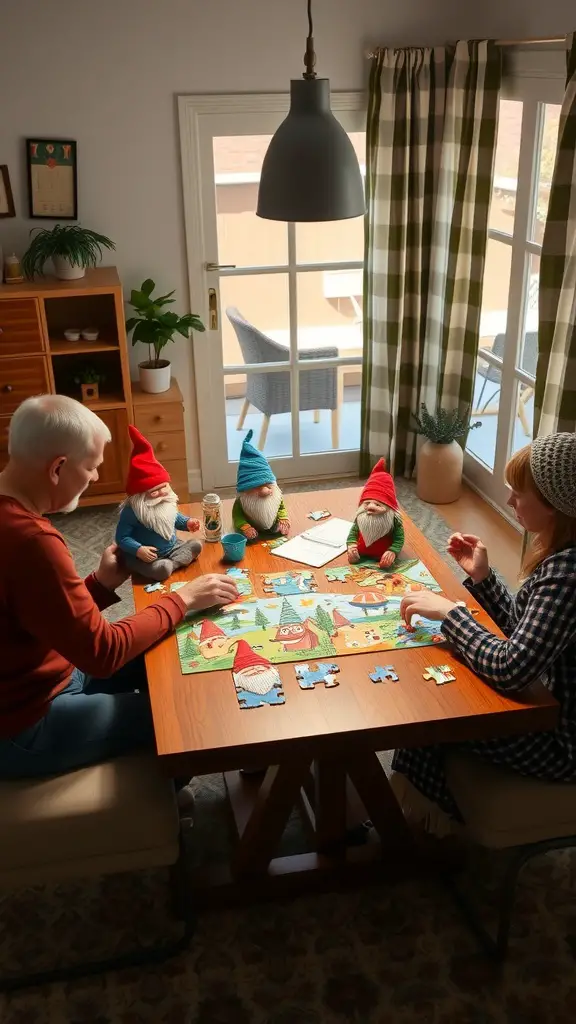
<point x="310" y="170"/>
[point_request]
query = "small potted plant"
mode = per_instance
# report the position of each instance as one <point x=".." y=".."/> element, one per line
<point x="70" y="247"/>
<point x="155" y="326"/>
<point x="89" y="380"/>
<point x="440" y="459"/>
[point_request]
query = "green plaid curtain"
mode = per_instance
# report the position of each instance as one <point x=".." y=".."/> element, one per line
<point x="431" y="136"/>
<point x="555" y="396"/>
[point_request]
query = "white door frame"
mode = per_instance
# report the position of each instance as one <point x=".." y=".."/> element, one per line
<point x="198" y="116"/>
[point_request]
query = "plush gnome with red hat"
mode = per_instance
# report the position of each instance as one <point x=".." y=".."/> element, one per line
<point x="149" y="518"/>
<point x="377" y="531"/>
<point x="251" y="671"/>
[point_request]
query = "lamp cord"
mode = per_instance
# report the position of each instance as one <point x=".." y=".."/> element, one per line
<point x="310" y="56"/>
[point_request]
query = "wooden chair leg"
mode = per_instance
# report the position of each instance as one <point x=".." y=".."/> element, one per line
<point x="522" y="399"/>
<point x="316" y="415"/>
<point x="243" y="414"/>
<point x="264" y="433"/>
<point x="335" y="428"/>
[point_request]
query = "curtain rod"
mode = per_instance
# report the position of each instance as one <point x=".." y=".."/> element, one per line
<point x="549" y="41"/>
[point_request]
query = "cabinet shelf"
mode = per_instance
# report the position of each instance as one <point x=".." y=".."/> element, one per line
<point x="77" y="348"/>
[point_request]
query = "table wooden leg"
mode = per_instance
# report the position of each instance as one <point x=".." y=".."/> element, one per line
<point x="261" y="837"/>
<point x="373" y="788"/>
<point x="330" y="806"/>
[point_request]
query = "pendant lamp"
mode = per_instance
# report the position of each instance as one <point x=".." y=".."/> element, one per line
<point x="310" y="171"/>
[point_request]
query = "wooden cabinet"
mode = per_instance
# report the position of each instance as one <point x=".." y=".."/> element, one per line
<point x="36" y="359"/>
<point x="161" y="419"/>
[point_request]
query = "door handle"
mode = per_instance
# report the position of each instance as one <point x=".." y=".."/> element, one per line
<point x="220" y="266"/>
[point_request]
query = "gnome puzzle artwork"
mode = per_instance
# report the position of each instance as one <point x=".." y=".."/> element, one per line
<point x="259" y="509"/>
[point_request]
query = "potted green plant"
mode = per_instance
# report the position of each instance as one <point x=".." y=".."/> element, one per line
<point x="70" y="247"/>
<point x="89" y="380"/>
<point x="155" y="326"/>
<point x="440" y="459"/>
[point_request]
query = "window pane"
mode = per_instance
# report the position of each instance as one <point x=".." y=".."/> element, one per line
<point x="546" y="167"/>
<point x="522" y="431"/>
<point x="330" y="312"/>
<point x="259" y="402"/>
<point x="330" y="409"/>
<point x="495" y="290"/>
<point x="334" y="241"/>
<point x="262" y="300"/>
<point x="528" y="348"/>
<point x="481" y="441"/>
<point x="503" y="205"/>
<point x="243" y="238"/>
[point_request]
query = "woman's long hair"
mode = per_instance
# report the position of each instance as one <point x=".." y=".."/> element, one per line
<point x="562" y="533"/>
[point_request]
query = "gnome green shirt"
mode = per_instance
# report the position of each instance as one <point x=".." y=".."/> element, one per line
<point x="240" y="519"/>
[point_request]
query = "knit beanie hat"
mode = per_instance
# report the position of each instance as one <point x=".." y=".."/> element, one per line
<point x="145" y="471"/>
<point x="553" y="465"/>
<point x="253" y="469"/>
<point x="245" y="657"/>
<point x="380" y="487"/>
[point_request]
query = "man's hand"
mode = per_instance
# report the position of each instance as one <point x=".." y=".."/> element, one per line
<point x="249" y="532"/>
<point x="388" y="559"/>
<point x="111" y="573"/>
<point x="471" y="555"/>
<point x="147" y="554"/>
<point x="353" y="554"/>
<point x="283" y="527"/>
<point x="193" y="525"/>
<point x="427" y="604"/>
<point x="208" y="592"/>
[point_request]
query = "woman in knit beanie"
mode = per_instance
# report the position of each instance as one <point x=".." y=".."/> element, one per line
<point x="539" y="626"/>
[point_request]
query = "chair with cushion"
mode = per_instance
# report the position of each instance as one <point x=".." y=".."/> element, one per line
<point x="270" y="392"/>
<point x="504" y="810"/>
<point x="109" y="818"/>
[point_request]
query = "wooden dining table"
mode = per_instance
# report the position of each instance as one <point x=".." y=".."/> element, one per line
<point x="322" y="745"/>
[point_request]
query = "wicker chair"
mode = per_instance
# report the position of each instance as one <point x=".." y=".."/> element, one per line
<point x="493" y="375"/>
<point x="270" y="392"/>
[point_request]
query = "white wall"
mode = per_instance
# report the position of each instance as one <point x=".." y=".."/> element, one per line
<point x="107" y="72"/>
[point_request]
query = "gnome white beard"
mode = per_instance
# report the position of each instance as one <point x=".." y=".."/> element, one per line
<point x="256" y="679"/>
<point x="156" y="514"/>
<point x="374" y="526"/>
<point x="263" y="512"/>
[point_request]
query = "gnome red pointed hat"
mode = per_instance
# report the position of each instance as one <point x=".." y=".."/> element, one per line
<point x="380" y="487"/>
<point x="209" y="630"/>
<point x="245" y="657"/>
<point x="145" y="471"/>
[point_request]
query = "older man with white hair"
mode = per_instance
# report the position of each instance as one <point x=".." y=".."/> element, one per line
<point x="72" y="684"/>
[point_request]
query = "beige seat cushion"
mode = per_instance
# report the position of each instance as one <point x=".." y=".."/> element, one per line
<point x="116" y="816"/>
<point x="502" y="808"/>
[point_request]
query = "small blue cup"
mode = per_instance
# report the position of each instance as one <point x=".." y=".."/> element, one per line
<point x="234" y="545"/>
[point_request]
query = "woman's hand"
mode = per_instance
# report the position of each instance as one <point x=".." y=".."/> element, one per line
<point x="425" y="603"/>
<point x="471" y="555"/>
<point x="208" y="592"/>
<point x="111" y="573"/>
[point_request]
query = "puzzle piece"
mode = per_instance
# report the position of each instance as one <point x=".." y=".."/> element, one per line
<point x="439" y="674"/>
<point x="382" y="673"/>
<point x="271" y="544"/>
<point x="321" y="514"/>
<point x="152" y="588"/>
<point x="251" y="698"/>
<point x="242" y="580"/>
<point x="289" y="583"/>
<point x="316" y="672"/>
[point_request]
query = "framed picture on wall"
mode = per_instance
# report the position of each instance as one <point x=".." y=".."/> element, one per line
<point x="6" y="198"/>
<point x="52" y="178"/>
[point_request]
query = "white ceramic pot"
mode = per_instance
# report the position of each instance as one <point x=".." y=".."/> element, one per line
<point x="67" y="271"/>
<point x="439" y="472"/>
<point x="155" y="379"/>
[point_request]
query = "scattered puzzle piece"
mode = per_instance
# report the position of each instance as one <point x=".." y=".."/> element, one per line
<point x="439" y="674"/>
<point x="382" y="673"/>
<point x="242" y="580"/>
<point x="152" y="588"/>
<point x="322" y="513"/>
<point x="316" y="672"/>
<point x="289" y="583"/>
<point x="250" y="684"/>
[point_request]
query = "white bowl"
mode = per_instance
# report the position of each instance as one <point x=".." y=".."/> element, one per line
<point x="72" y="334"/>
<point x="90" y="333"/>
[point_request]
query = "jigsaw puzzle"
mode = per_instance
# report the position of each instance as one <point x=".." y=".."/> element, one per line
<point x="289" y="583"/>
<point x="439" y="674"/>
<point x="322" y="513"/>
<point x="317" y="672"/>
<point x="257" y="682"/>
<point x="406" y="576"/>
<point x="382" y="673"/>
<point x="242" y="580"/>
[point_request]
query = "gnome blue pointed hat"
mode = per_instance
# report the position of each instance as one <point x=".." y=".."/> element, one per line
<point x="253" y="469"/>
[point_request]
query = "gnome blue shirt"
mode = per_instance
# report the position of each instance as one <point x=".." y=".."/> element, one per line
<point x="259" y="507"/>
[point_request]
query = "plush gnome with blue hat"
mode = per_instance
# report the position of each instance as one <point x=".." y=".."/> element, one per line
<point x="259" y="507"/>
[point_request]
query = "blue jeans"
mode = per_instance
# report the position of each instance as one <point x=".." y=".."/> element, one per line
<point x="91" y="720"/>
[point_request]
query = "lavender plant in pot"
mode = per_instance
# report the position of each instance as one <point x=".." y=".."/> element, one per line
<point x="155" y="326"/>
<point x="440" y="459"/>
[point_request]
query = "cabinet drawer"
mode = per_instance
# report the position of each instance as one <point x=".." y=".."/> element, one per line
<point x="151" y="419"/>
<point x="20" y="327"/>
<point x="4" y="426"/>
<point x="19" y="379"/>
<point x="169" y="446"/>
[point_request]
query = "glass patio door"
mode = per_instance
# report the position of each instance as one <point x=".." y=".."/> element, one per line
<point x="282" y="303"/>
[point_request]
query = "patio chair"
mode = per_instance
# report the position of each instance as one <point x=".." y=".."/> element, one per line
<point x="493" y="375"/>
<point x="270" y="392"/>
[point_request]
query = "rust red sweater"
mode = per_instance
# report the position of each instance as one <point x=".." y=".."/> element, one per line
<point x="51" y="622"/>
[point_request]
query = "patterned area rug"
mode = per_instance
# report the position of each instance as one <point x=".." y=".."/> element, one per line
<point x="393" y="954"/>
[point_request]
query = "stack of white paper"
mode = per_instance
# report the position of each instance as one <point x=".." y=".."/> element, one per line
<point x="318" y="545"/>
